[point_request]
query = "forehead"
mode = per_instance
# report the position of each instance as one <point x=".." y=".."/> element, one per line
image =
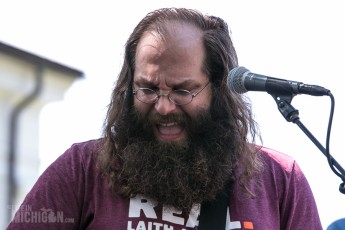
<point x="178" y="52"/>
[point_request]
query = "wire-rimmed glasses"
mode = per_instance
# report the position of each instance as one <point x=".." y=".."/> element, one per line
<point x="178" y="96"/>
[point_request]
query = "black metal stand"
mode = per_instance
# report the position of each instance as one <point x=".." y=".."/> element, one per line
<point x="292" y="115"/>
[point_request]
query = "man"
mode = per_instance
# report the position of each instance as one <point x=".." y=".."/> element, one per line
<point x="175" y="138"/>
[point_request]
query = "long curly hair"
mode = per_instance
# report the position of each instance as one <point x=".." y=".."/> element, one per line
<point x="220" y="58"/>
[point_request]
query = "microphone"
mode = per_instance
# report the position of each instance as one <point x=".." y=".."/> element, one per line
<point x="241" y="80"/>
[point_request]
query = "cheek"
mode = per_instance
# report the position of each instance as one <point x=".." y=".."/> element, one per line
<point x="202" y="104"/>
<point x="142" y="107"/>
<point x="198" y="107"/>
<point x="195" y="110"/>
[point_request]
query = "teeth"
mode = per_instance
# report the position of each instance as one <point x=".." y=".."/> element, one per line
<point x="169" y="129"/>
<point x="168" y="124"/>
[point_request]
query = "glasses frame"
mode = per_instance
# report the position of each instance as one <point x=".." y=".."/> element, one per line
<point x="168" y="95"/>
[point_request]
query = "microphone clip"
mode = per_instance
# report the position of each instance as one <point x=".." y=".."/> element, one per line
<point x="285" y="108"/>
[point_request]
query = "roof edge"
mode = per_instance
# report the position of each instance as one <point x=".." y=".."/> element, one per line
<point x="28" y="56"/>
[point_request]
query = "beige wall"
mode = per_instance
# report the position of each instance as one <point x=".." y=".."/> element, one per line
<point x="17" y="80"/>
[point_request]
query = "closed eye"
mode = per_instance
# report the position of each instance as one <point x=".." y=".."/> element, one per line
<point x="148" y="91"/>
<point x="181" y="92"/>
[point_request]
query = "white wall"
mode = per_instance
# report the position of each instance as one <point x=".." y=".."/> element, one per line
<point x="17" y="80"/>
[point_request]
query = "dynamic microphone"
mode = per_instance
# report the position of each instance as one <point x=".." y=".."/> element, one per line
<point x="241" y="80"/>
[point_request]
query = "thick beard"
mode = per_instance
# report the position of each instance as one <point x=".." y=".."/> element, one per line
<point x="178" y="174"/>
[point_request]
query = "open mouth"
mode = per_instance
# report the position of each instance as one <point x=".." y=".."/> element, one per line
<point x="170" y="131"/>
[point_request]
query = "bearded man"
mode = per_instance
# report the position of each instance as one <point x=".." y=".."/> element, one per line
<point x="175" y="138"/>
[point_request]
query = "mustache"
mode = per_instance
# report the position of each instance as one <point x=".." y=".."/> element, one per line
<point x="156" y="118"/>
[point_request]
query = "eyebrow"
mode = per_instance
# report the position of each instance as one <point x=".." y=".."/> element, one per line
<point x="144" y="81"/>
<point x="183" y="84"/>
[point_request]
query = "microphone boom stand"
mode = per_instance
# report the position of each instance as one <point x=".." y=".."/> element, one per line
<point x="292" y="115"/>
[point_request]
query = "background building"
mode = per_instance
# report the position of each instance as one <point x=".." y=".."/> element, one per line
<point x="27" y="83"/>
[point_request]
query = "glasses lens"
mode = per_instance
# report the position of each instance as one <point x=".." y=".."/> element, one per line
<point x="146" y="95"/>
<point x="181" y="97"/>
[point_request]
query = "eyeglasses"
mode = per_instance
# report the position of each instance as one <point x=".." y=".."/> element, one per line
<point x="178" y="97"/>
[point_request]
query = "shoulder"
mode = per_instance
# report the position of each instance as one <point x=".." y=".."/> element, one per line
<point x="83" y="152"/>
<point x="282" y="172"/>
<point x="276" y="160"/>
<point x="77" y="162"/>
<point x="282" y="175"/>
<point x="283" y="198"/>
<point x="85" y="149"/>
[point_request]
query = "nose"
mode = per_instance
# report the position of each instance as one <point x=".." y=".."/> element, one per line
<point x="164" y="106"/>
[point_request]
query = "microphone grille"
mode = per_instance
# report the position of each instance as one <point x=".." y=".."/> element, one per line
<point x="236" y="79"/>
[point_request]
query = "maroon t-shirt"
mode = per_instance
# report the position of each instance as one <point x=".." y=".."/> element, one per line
<point x="71" y="194"/>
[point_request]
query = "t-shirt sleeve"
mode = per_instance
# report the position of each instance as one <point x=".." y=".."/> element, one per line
<point x="283" y="198"/>
<point x="298" y="204"/>
<point x="298" y="209"/>
<point x="56" y="199"/>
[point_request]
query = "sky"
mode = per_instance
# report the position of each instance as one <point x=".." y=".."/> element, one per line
<point x="294" y="40"/>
